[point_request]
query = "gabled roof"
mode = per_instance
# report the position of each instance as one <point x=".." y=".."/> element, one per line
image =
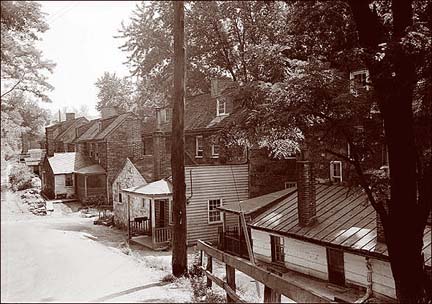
<point x="91" y="131"/>
<point x="345" y="220"/>
<point x="113" y="125"/>
<point x="69" y="162"/>
<point x="72" y="125"/>
<point x="255" y="204"/>
<point x="161" y="187"/>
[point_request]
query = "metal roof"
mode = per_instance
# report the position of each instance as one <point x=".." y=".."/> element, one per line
<point x="68" y="162"/>
<point x="254" y="204"/>
<point x="158" y="188"/>
<point x="345" y="219"/>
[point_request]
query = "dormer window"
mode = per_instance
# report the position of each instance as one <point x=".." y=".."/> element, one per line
<point x="220" y="107"/>
<point x="359" y="81"/>
<point x="336" y="171"/>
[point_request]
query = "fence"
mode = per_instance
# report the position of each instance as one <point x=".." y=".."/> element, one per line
<point x="274" y="285"/>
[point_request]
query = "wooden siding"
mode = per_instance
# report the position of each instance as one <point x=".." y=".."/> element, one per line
<point x="60" y="188"/>
<point x="306" y="258"/>
<point x="382" y="278"/>
<point x="355" y="269"/>
<point x="226" y="182"/>
<point x="261" y="245"/>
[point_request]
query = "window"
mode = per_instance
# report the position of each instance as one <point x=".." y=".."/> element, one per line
<point x="199" y="147"/>
<point x="143" y="202"/>
<point x="119" y="193"/>
<point x="277" y="249"/>
<point x="68" y="180"/>
<point x="336" y="171"/>
<point x="220" y="107"/>
<point x="359" y="80"/>
<point x="215" y="150"/>
<point x="290" y="185"/>
<point x="335" y="265"/>
<point x="171" y="212"/>
<point x="214" y="215"/>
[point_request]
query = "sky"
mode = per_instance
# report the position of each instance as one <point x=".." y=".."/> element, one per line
<point x="80" y="41"/>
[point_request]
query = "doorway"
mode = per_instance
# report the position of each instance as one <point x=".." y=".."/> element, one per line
<point x="336" y="269"/>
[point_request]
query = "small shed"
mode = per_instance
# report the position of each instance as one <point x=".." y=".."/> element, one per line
<point x="149" y="209"/>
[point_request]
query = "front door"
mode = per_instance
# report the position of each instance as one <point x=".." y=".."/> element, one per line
<point x="335" y="263"/>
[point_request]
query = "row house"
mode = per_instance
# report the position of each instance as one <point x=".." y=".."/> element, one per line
<point x="102" y="145"/>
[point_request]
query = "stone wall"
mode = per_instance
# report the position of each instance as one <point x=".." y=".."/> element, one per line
<point x="268" y="175"/>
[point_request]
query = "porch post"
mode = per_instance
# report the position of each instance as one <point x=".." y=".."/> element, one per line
<point x="85" y="186"/>
<point x="128" y="216"/>
<point x="153" y="219"/>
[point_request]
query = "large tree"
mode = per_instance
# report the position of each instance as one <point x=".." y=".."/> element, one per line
<point x="24" y="73"/>
<point x="397" y="52"/>
<point x="311" y="106"/>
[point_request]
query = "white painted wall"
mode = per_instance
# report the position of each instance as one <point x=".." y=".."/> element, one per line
<point x="60" y="186"/>
<point x="306" y="258"/>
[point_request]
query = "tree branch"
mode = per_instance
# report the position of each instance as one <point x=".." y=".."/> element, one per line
<point x="13" y="88"/>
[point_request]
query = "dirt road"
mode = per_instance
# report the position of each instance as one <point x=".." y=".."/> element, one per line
<point x="65" y="258"/>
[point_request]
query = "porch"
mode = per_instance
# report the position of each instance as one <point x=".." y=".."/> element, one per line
<point x="233" y="241"/>
<point x="91" y="185"/>
<point x="149" y="210"/>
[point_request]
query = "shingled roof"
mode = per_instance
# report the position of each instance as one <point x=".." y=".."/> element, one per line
<point x="91" y="131"/>
<point x="75" y="124"/>
<point x="345" y="220"/>
<point x="199" y="114"/>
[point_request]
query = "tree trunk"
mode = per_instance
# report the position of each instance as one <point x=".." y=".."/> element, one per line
<point x="179" y="254"/>
<point x="394" y="79"/>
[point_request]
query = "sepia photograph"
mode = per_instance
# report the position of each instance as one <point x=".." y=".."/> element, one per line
<point x="216" y="151"/>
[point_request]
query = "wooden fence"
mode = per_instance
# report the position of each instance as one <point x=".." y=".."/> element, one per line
<point x="274" y="285"/>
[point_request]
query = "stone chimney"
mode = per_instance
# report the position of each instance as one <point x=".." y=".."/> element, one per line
<point x="306" y="200"/>
<point x="49" y="142"/>
<point x="70" y="116"/>
<point x="107" y="112"/>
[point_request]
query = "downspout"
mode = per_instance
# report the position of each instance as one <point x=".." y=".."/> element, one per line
<point x="369" y="290"/>
<point x="191" y="188"/>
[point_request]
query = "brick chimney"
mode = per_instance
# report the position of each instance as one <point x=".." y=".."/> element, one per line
<point x="70" y="116"/>
<point x="49" y="142"/>
<point x="107" y="112"/>
<point x="158" y="154"/>
<point x="158" y="119"/>
<point x="306" y="200"/>
<point x="379" y="225"/>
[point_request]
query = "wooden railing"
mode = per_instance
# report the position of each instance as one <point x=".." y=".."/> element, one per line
<point x="163" y="235"/>
<point x="274" y="285"/>
<point x="231" y="242"/>
<point x="140" y="226"/>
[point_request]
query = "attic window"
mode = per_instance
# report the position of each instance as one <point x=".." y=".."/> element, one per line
<point x="220" y="107"/>
<point x="359" y="81"/>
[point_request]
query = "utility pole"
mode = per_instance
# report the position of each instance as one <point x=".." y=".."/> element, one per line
<point x="179" y="253"/>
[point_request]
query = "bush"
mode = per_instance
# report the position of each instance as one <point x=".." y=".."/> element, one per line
<point x="20" y="177"/>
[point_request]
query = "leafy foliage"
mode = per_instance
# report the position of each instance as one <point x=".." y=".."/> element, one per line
<point x="23" y="67"/>
<point x="20" y="177"/>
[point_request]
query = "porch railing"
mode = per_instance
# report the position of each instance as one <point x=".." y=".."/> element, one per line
<point x="163" y="235"/>
<point x="140" y="226"/>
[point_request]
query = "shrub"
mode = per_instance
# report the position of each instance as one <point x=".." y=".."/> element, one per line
<point x="20" y="177"/>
